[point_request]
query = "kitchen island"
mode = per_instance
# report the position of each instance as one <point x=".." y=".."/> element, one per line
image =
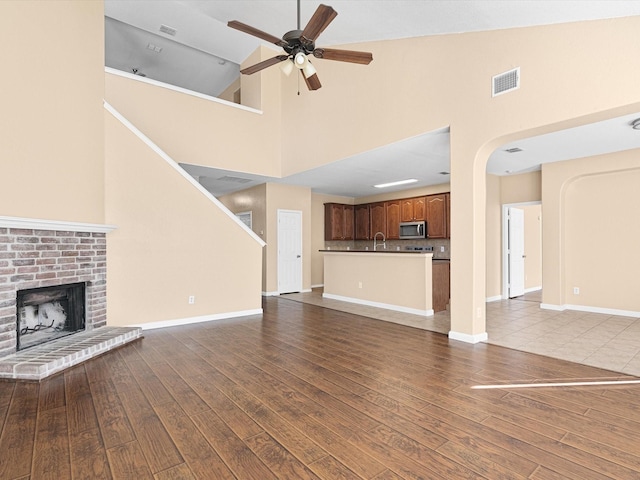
<point x="395" y="280"/>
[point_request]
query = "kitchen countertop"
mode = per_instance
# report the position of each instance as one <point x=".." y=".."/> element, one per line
<point x="388" y="251"/>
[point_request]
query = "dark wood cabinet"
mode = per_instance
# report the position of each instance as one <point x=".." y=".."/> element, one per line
<point x="413" y="209"/>
<point x="437" y="216"/>
<point x="362" y="222"/>
<point x="338" y="221"/>
<point x="393" y="219"/>
<point x="378" y="216"/>
<point x="440" y="277"/>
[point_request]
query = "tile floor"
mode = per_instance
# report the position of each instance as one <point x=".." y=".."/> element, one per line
<point x="606" y="341"/>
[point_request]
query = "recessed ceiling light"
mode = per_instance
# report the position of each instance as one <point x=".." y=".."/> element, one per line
<point x="393" y="184"/>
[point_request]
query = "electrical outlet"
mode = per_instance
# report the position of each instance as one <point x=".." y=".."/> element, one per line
<point x="442" y="248"/>
<point x="576" y="290"/>
<point x="192" y="299"/>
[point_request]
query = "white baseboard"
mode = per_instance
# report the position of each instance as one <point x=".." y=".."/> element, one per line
<point x="320" y="285"/>
<point x="465" y="337"/>
<point x="533" y="289"/>
<point x="387" y="306"/>
<point x="200" y="319"/>
<point x="270" y="294"/>
<point x="583" y="308"/>
<point x="495" y="298"/>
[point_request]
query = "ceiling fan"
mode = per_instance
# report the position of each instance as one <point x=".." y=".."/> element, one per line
<point x="299" y="43"/>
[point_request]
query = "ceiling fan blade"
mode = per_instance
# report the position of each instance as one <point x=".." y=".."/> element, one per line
<point x="352" y="56"/>
<point x="320" y="20"/>
<point x="243" y="27"/>
<point x="264" y="64"/>
<point x="313" y="82"/>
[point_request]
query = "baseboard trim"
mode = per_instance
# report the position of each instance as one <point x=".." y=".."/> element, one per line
<point x="589" y="309"/>
<point x="495" y="298"/>
<point x="533" y="289"/>
<point x="320" y="285"/>
<point x="465" y="337"/>
<point x="270" y="294"/>
<point x="386" y="306"/>
<point x="200" y="319"/>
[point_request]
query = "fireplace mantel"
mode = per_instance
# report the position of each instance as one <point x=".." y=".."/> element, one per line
<point x="55" y="225"/>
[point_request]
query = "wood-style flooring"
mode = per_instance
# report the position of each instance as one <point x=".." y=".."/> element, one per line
<point x="307" y="392"/>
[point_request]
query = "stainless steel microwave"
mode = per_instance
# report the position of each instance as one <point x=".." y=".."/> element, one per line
<point x="413" y="230"/>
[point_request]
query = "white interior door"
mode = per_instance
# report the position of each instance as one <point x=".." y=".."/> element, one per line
<point x="516" y="252"/>
<point x="289" y="251"/>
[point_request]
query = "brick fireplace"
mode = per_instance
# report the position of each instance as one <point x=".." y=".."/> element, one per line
<point x="32" y="258"/>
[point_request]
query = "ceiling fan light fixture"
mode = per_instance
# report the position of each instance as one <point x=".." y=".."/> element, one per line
<point x="287" y="67"/>
<point x="309" y="69"/>
<point x="300" y="60"/>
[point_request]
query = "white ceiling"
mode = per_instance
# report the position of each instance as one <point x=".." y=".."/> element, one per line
<point x="205" y="54"/>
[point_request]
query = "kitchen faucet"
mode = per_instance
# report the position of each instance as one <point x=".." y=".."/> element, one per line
<point x="384" y="241"/>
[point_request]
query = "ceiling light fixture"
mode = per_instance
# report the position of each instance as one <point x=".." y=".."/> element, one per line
<point x="393" y="184"/>
<point x="636" y="124"/>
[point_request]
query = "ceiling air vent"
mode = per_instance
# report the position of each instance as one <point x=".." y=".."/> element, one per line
<point x="168" y="30"/>
<point x="505" y="82"/>
<point x="513" y="150"/>
<point x="228" y="178"/>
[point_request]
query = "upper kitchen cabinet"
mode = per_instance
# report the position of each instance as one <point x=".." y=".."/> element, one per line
<point x="393" y="219"/>
<point x="338" y="221"/>
<point x="413" y="209"/>
<point x="437" y="215"/>
<point x="378" y="215"/>
<point x="362" y="222"/>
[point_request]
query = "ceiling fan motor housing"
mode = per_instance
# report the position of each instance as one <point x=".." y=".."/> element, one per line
<point x="295" y="44"/>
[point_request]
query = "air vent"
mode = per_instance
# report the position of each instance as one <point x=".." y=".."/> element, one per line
<point x="168" y="30"/>
<point x="505" y="82"/>
<point x="513" y="150"/>
<point x="227" y="178"/>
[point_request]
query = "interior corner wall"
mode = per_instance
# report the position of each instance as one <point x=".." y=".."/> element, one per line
<point x="168" y="247"/>
<point x="252" y="200"/>
<point x="51" y="119"/>
<point x="590" y="233"/>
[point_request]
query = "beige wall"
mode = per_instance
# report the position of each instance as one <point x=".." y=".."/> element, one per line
<point x="532" y="246"/>
<point x="269" y="198"/>
<point x="523" y="188"/>
<point x="51" y="119"/>
<point x="168" y="247"/>
<point x="590" y="233"/>
<point x="66" y="124"/>
<point x="494" y="238"/>
<point x="252" y="200"/>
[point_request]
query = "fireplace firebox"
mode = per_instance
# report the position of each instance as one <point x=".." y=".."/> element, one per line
<point x="47" y="313"/>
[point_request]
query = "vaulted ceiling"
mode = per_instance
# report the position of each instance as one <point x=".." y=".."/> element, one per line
<point x="187" y="43"/>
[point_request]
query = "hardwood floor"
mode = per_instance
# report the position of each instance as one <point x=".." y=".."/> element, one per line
<point x="306" y="392"/>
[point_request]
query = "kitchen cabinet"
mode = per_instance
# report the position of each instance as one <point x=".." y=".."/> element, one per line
<point x="393" y="219"/>
<point x="437" y="215"/>
<point x="362" y="222"/>
<point x="378" y="216"/>
<point x="413" y="209"/>
<point x="338" y="221"/>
